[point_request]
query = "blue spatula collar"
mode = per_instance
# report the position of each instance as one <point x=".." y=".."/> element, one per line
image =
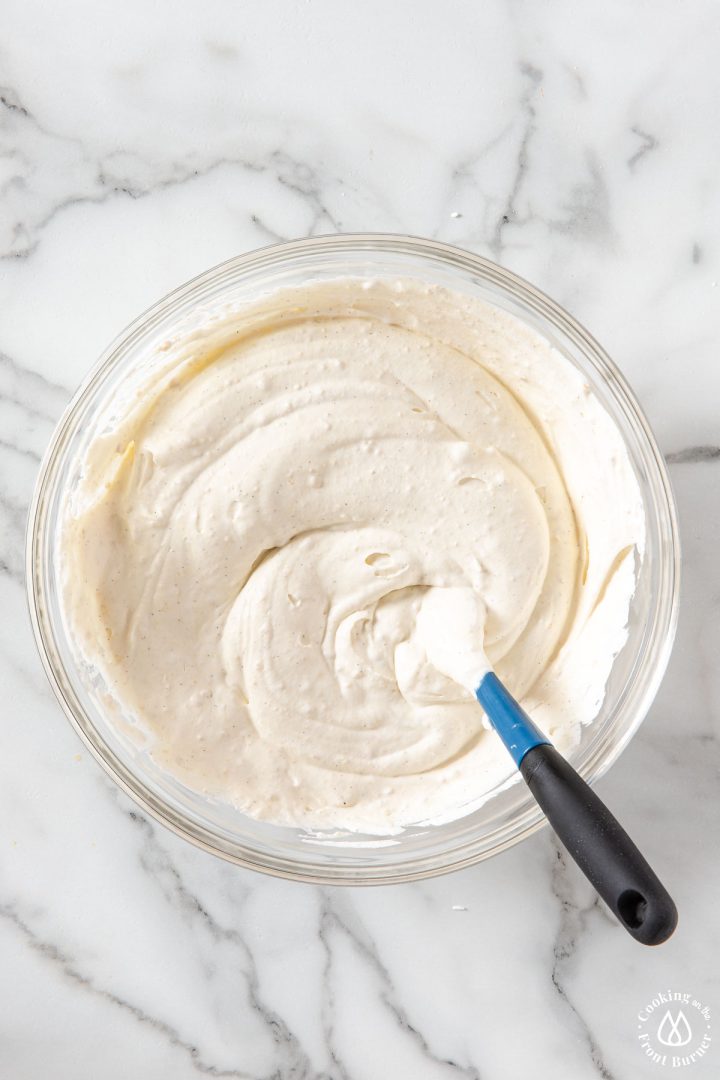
<point x="512" y="723"/>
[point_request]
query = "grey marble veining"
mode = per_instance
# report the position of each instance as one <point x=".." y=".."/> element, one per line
<point x="576" y="144"/>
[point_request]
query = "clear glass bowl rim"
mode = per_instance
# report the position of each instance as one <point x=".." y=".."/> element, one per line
<point x="270" y="257"/>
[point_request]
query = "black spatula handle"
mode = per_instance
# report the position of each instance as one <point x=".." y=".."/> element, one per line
<point x="600" y="846"/>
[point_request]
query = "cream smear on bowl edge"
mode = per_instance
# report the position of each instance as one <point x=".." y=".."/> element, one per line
<point x="258" y="524"/>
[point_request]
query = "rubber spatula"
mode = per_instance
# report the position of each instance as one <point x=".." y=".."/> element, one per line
<point x="592" y="835"/>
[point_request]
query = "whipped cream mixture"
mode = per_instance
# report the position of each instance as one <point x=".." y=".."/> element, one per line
<point x="254" y="553"/>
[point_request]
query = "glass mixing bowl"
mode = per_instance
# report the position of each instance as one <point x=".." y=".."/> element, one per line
<point x="420" y="851"/>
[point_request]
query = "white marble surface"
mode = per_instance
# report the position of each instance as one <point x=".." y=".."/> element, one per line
<point x="576" y="143"/>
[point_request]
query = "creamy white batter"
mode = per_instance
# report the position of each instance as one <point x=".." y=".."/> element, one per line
<point x="265" y="516"/>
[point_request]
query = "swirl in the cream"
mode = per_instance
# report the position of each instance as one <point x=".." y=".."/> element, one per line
<point x="252" y="541"/>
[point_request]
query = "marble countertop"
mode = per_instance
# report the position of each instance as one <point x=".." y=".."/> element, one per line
<point x="576" y="144"/>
